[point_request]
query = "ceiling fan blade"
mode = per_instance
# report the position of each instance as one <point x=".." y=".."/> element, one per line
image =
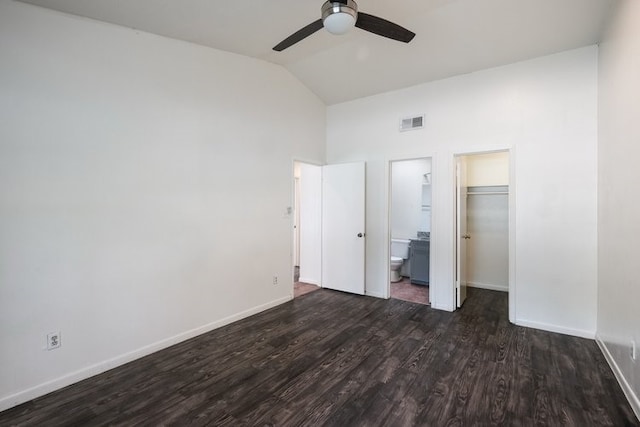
<point x="383" y="28"/>
<point x="298" y="35"/>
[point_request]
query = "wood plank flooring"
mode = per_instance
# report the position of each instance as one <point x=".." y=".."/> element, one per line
<point x="334" y="359"/>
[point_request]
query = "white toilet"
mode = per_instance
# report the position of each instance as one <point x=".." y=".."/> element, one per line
<point x="399" y="253"/>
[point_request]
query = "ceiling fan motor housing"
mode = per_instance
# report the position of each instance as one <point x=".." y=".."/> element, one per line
<point x="339" y="17"/>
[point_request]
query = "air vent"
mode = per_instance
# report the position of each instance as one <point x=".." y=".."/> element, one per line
<point x="411" y="123"/>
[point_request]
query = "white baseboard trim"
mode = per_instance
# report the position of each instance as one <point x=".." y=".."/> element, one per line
<point x="633" y="399"/>
<point x="448" y="308"/>
<point x="309" y="281"/>
<point x="374" y="294"/>
<point x="98" y="368"/>
<point x="582" y="333"/>
<point x="488" y="286"/>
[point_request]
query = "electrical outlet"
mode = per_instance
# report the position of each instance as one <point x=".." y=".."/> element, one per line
<point x="275" y="280"/>
<point x="632" y="349"/>
<point x="53" y="340"/>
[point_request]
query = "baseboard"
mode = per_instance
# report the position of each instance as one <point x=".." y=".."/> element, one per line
<point x="488" y="286"/>
<point x="98" y="368"/>
<point x="374" y="294"/>
<point x="633" y="399"/>
<point x="582" y="333"/>
<point x="448" y="308"/>
<point x="309" y="281"/>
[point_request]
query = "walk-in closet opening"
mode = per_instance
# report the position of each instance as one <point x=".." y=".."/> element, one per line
<point x="482" y="222"/>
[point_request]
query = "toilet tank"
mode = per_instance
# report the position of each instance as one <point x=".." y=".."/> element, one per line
<point x="400" y="248"/>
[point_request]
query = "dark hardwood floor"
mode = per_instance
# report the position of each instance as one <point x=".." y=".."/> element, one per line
<point x="334" y="359"/>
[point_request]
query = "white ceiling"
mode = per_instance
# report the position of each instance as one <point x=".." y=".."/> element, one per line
<point x="453" y="36"/>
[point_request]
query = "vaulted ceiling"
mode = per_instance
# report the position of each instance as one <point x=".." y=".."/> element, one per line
<point x="453" y="36"/>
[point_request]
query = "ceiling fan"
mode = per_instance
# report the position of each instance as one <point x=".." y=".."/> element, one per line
<point x="338" y="17"/>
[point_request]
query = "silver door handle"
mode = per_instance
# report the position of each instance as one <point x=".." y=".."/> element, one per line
<point x="466" y="236"/>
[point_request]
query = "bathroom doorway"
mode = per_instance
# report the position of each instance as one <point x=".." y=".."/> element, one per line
<point x="482" y="222"/>
<point x="410" y="229"/>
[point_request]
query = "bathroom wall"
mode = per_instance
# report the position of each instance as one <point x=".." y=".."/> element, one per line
<point x="545" y="111"/>
<point x="144" y="186"/>
<point x="618" y="202"/>
<point x="407" y="194"/>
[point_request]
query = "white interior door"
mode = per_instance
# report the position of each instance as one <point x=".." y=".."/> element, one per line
<point x="461" y="230"/>
<point x="343" y="227"/>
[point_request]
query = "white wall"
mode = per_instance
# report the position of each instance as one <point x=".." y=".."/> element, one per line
<point x="546" y="110"/>
<point x="144" y="186"/>
<point x="488" y="248"/>
<point x="310" y="223"/>
<point x="618" y="202"/>
<point x="407" y="216"/>
<point x="489" y="169"/>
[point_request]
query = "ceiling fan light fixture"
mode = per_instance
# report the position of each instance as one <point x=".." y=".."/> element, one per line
<point x="339" y="17"/>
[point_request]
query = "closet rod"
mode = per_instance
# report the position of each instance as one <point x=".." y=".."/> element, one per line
<point x="488" y="193"/>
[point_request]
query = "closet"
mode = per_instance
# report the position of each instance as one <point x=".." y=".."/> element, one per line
<point x="488" y="221"/>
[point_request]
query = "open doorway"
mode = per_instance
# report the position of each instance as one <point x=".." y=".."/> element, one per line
<point x="330" y="226"/>
<point x="307" y="228"/>
<point x="410" y="227"/>
<point x="482" y="222"/>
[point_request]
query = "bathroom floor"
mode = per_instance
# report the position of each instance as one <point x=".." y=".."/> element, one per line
<point x="406" y="291"/>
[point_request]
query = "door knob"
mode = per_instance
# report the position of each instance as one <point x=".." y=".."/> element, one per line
<point x="360" y="235"/>
<point x="466" y="236"/>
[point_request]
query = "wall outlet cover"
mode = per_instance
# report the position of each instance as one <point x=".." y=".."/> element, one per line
<point x="53" y="340"/>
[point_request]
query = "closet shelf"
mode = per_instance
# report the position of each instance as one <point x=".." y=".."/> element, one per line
<point x="489" y="190"/>
<point x="487" y="193"/>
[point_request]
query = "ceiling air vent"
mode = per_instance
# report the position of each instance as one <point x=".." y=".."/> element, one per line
<point x="411" y="123"/>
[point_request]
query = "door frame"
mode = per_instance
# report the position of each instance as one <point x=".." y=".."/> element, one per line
<point x="512" y="220"/>
<point x="296" y="221"/>
<point x="460" y="275"/>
